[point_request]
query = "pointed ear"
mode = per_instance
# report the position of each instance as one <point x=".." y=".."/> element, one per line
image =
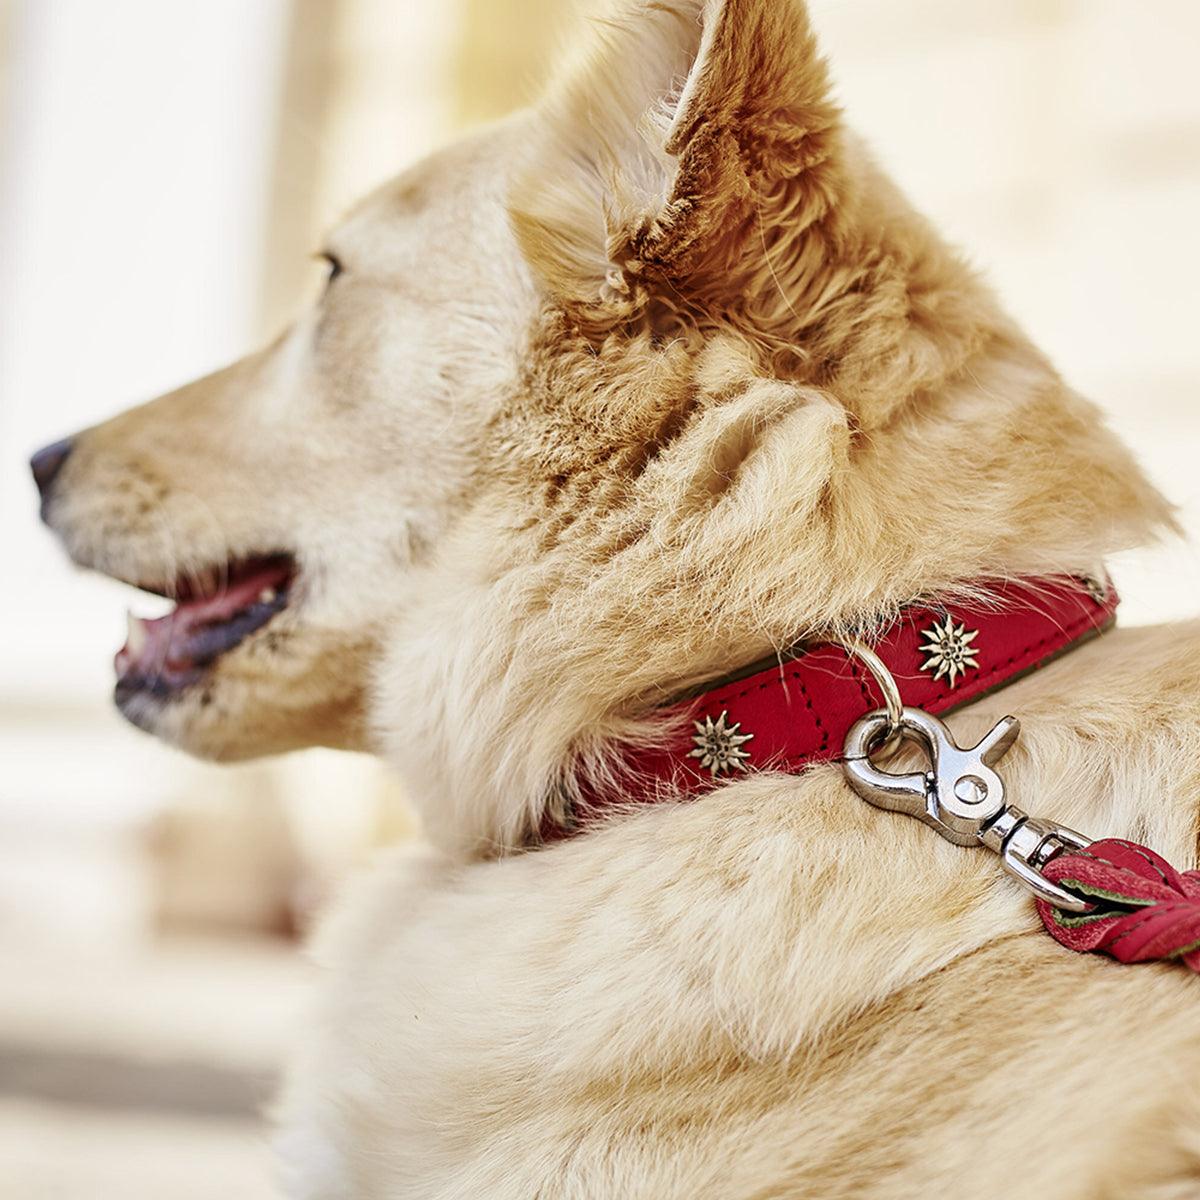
<point x="674" y="154"/>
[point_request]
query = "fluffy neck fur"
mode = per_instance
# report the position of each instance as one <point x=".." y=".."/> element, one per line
<point x="761" y="401"/>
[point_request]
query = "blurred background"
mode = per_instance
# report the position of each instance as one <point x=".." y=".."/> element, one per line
<point x="166" y="170"/>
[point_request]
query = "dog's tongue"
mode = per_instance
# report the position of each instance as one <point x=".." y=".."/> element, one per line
<point x="170" y="650"/>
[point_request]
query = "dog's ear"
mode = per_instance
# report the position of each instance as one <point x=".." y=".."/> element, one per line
<point x="674" y="156"/>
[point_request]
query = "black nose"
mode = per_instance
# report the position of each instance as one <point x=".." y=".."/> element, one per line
<point x="47" y="463"/>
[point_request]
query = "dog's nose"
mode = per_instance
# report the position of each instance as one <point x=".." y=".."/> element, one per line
<point x="47" y="463"/>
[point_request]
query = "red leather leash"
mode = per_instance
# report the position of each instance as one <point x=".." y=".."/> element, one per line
<point x="1144" y="908"/>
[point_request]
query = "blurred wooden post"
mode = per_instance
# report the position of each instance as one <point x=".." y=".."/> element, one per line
<point x="507" y="51"/>
<point x="294" y="225"/>
<point x="6" y="24"/>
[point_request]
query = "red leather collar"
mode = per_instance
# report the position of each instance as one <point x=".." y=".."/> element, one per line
<point x="794" y="711"/>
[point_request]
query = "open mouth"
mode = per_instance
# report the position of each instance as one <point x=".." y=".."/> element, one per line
<point x="214" y="611"/>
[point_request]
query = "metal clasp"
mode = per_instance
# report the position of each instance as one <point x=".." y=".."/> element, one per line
<point x="960" y="795"/>
<point x="1026" y="844"/>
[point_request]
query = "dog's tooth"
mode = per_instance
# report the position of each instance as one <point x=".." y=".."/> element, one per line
<point x="267" y="595"/>
<point x="135" y="634"/>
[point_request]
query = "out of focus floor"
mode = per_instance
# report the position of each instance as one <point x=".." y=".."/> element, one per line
<point x="52" y="1153"/>
<point x="143" y="1073"/>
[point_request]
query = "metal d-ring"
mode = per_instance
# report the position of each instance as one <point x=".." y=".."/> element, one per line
<point x="893" y="705"/>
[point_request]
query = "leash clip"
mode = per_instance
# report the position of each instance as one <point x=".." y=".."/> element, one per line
<point x="961" y="795"/>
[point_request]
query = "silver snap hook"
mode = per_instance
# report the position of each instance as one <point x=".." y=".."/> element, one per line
<point x="959" y="795"/>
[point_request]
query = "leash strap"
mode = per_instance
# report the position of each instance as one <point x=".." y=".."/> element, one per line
<point x="1144" y="909"/>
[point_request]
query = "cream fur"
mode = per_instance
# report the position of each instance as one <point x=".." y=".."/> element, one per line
<point x="625" y="393"/>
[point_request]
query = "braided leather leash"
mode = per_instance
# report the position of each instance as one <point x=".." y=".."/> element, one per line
<point x="1144" y="909"/>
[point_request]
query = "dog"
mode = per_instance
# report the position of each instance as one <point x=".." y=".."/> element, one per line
<point x="622" y="395"/>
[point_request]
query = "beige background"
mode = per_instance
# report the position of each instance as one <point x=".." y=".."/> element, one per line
<point x="166" y="168"/>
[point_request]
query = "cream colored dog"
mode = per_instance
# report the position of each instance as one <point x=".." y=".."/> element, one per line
<point x="615" y="398"/>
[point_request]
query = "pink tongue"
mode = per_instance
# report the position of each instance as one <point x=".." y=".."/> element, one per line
<point x="166" y="647"/>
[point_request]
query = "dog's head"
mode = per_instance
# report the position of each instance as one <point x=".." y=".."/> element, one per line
<point x="282" y="501"/>
<point x="615" y="395"/>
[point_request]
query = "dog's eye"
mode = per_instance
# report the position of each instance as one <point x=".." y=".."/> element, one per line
<point x="335" y="266"/>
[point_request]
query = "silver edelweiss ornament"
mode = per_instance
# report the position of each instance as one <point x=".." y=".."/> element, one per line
<point x="949" y="649"/>
<point x="719" y="746"/>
